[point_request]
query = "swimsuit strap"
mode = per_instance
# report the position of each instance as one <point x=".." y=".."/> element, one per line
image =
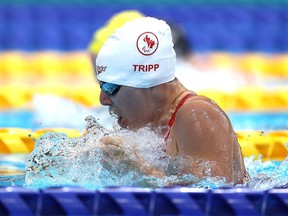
<point x="172" y="120"/>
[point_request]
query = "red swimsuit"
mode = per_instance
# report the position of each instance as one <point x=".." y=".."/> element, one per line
<point x="171" y="121"/>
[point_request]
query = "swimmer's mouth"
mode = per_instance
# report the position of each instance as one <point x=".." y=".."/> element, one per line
<point x="113" y="114"/>
<point x="117" y="117"/>
<point x="120" y="120"/>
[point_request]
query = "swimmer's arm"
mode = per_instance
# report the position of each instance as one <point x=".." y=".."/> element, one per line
<point x="110" y="142"/>
<point x="148" y="170"/>
<point x="203" y="133"/>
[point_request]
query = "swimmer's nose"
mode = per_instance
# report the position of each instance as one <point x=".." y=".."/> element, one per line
<point x="105" y="100"/>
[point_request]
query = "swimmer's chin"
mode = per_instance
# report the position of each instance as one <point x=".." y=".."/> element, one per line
<point x="122" y="123"/>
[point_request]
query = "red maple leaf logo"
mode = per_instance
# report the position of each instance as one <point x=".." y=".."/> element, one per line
<point x="149" y="42"/>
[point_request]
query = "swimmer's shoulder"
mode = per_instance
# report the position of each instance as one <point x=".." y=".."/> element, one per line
<point x="198" y="105"/>
<point x="200" y="101"/>
<point x="196" y="124"/>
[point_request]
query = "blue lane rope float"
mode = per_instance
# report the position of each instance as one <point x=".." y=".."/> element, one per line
<point x="142" y="201"/>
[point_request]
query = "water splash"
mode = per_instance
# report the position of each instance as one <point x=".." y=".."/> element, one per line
<point x="268" y="174"/>
<point x="94" y="161"/>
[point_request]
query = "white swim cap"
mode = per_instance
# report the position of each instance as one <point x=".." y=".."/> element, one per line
<point x="139" y="54"/>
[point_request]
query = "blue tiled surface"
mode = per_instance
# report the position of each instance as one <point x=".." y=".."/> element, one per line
<point x="238" y="28"/>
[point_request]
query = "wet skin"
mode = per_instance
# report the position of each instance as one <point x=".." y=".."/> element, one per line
<point x="202" y="133"/>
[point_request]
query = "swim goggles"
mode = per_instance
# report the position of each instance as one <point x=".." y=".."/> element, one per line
<point x="109" y="88"/>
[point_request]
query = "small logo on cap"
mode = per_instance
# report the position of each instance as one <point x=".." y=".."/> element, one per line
<point x="147" y="43"/>
<point x="100" y="69"/>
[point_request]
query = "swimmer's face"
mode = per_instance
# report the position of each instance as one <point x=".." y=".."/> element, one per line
<point x="128" y="106"/>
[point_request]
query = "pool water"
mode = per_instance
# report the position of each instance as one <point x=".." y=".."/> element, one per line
<point x="265" y="194"/>
<point x="33" y="120"/>
<point x="265" y="175"/>
<point x="60" y="161"/>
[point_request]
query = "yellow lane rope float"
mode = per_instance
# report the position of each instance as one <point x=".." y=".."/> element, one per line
<point x="18" y="140"/>
<point x="19" y="95"/>
<point x="49" y="64"/>
<point x="271" y="145"/>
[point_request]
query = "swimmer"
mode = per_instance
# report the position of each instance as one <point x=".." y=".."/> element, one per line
<point x="135" y="68"/>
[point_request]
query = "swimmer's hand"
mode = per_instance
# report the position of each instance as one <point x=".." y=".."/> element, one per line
<point x="112" y="140"/>
<point x="113" y="146"/>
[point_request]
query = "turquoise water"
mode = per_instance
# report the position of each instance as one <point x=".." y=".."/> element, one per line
<point x="33" y="120"/>
<point x="265" y="175"/>
<point x="60" y="161"/>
